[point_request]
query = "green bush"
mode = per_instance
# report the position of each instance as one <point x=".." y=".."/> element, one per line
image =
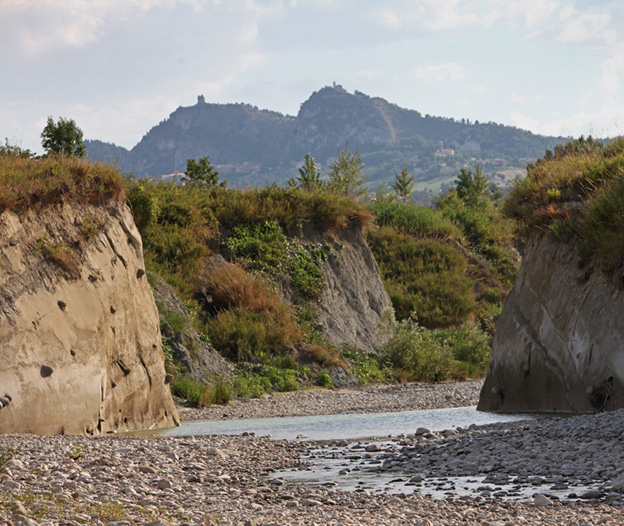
<point x="201" y="394"/>
<point x="416" y="354"/>
<point x="255" y="382"/>
<point x="176" y="320"/>
<point x="265" y="247"/>
<point x="602" y="230"/>
<point x="469" y="344"/>
<point x="188" y="389"/>
<point x="423" y="276"/>
<point x="323" y="379"/>
<point x="415" y="220"/>
<point x="367" y="368"/>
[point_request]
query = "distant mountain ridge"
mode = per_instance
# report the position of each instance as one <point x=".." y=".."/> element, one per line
<point x="252" y="146"/>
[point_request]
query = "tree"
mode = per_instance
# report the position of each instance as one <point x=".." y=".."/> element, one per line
<point x="63" y="138"/>
<point x="201" y="173"/>
<point x="12" y="150"/>
<point x="345" y="175"/>
<point x="309" y="176"/>
<point x="471" y="186"/>
<point x="403" y="184"/>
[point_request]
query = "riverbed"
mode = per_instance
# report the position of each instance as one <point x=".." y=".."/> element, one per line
<point x="241" y="480"/>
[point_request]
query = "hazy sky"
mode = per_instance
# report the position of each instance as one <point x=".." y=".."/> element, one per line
<point x="119" y="67"/>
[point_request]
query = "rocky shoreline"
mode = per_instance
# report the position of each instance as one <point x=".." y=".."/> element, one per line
<point x="237" y="480"/>
<point x="370" y="399"/>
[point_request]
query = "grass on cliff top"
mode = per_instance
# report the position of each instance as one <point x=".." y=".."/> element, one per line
<point x="577" y="193"/>
<point x="182" y="225"/>
<point x="29" y="182"/>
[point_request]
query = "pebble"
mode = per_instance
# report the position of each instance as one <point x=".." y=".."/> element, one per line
<point x="116" y="481"/>
<point x="541" y="500"/>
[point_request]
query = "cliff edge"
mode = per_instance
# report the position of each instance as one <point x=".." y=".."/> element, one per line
<point x="559" y="339"/>
<point x="79" y="330"/>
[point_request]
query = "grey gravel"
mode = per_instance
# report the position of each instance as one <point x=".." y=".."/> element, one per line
<point x="227" y="480"/>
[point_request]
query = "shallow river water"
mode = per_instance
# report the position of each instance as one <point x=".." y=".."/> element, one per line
<point x="345" y="426"/>
<point x="338" y="465"/>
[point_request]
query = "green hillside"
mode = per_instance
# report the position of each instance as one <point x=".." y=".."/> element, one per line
<point x="258" y="147"/>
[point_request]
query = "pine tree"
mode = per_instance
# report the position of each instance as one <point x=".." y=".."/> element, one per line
<point x="403" y="184"/>
<point x="201" y="173"/>
<point x="346" y="175"/>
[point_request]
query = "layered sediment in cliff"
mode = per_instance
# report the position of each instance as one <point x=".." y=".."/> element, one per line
<point x="560" y="338"/>
<point x="351" y="306"/>
<point x="79" y="330"/>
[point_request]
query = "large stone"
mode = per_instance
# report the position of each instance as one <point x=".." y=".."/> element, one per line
<point x="559" y="339"/>
<point x="81" y="368"/>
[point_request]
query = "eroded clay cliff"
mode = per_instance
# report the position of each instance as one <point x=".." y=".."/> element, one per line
<point x="559" y="339"/>
<point x="354" y="299"/>
<point x="80" y="343"/>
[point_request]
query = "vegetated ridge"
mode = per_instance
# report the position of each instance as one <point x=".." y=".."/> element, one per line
<point x="252" y="146"/>
<point x="558" y="343"/>
<point x="281" y="283"/>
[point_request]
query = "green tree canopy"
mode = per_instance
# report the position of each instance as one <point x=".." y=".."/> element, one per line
<point x="471" y="186"/>
<point x="309" y="176"/>
<point x="201" y="172"/>
<point x="346" y="175"/>
<point x="403" y="184"/>
<point x="63" y="138"/>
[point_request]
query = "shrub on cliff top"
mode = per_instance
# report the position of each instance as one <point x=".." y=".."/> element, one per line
<point x="27" y="182"/>
<point x="577" y="192"/>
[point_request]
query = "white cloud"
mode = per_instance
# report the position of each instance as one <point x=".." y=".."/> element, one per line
<point x="610" y="84"/>
<point x="533" y="12"/>
<point x="516" y="98"/>
<point x="370" y="74"/>
<point x="451" y="71"/>
<point x="390" y="19"/>
<point x="479" y="90"/>
<point x="446" y="15"/>
<point x="581" y="27"/>
<point x="607" y="121"/>
<point x="524" y="121"/>
<point x="39" y="27"/>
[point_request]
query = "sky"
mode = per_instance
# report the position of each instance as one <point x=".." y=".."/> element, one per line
<point x="119" y="67"/>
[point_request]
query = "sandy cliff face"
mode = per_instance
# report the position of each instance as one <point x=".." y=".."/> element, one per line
<point x="80" y="344"/>
<point x="559" y="342"/>
<point x="354" y="299"/>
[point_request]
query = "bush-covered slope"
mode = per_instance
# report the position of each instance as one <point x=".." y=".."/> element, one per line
<point x="447" y="271"/>
<point x="445" y="265"/>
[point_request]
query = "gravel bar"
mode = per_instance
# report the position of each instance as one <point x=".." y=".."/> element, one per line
<point x="372" y="399"/>
<point x="233" y="480"/>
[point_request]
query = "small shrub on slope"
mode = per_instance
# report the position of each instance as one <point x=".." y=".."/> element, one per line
<point x="251" y="323"/>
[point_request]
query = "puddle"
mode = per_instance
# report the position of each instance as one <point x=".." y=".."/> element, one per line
<point x="349" y="469"/>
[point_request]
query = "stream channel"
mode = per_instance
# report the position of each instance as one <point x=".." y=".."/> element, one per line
<point x="341" y="457"/>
